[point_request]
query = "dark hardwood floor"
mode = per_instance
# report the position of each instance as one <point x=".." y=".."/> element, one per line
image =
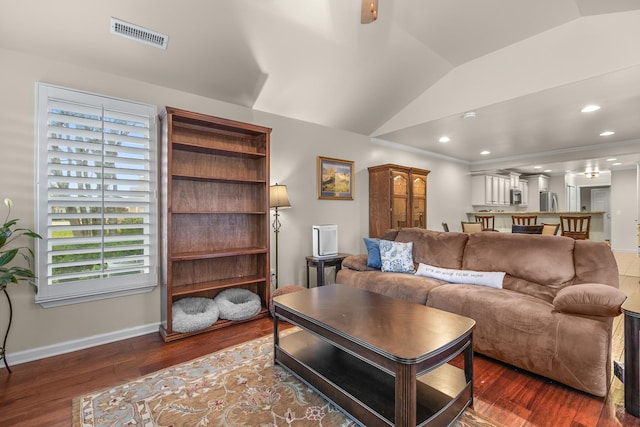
<point x="39" y="393"/>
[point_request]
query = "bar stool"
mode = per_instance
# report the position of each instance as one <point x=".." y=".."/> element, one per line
<point x="526" y="229"/>
<point x="524" y="219"/>
<point x="471" y="227"/>
<point x="576" y="227"/>
<point x="550" y="229"/>
<point x="487" y="222"/>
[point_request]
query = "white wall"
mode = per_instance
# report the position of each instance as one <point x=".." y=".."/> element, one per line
<point x="624" y="211"/>
<point x="294" y="148"/>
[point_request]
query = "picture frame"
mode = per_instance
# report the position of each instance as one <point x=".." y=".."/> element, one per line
<point x="335" y="179"/>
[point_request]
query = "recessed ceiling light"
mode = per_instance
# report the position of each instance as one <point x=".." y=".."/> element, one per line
<point x="537" y="167"/>
<point x="547" y="170"/>
<point x="444" y="139"/>
<point x="612" y="159"/>
<point x="616" y="164"/>
<point x="590" y="108"/>
<point x="469" y="115"/>
<point x="607" y="133"/>
<point x="485" y="152"/>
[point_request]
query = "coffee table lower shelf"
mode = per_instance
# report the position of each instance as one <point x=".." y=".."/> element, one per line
<point x="368" y="392"/>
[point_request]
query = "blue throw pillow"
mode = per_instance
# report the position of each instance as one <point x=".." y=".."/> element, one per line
<point x="373" y="251"/>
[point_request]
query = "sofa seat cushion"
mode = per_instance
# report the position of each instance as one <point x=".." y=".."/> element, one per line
<point x="406" y="287"/>
<point x="435" y="248"/>
<point x="527" y="332"/>
<point x="535" y="265"/>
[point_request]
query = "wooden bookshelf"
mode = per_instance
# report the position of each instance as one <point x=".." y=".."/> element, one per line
<point x="215" y="210"/>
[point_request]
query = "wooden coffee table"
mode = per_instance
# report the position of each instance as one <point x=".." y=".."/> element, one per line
<point x="379" y="359"/>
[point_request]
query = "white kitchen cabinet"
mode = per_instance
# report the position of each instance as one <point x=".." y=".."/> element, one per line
<point x="514" y="178"/>
<point x="523" y="185"/>
<point x="495" y="190"/>
<point x="537" y="183"/>
<point x="543" y="183"/>
<point x="490" y="190"/>
<point x="481" y="190"/>
<point x="503" y="190"/>
<point x="507" y="191"/>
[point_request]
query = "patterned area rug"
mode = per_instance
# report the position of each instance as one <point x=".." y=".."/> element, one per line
<point x="238" y="386"/>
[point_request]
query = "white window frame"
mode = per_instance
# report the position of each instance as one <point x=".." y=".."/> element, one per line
<point x="110" y="181"/>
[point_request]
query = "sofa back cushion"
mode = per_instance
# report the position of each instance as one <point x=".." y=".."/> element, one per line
<point x="389" y="234"/>
<point x="435" y="248"/>
<point x="535" y="265"/>
<point x="595" y="263"/>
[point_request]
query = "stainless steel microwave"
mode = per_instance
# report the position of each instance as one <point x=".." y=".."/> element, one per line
<point x="516" y="196"/>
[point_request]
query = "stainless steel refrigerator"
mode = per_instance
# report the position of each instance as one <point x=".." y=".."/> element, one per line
<point x="548" y="201"/>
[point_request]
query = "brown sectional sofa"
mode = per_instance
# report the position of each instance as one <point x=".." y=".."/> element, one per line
<point x="553" y="315"/>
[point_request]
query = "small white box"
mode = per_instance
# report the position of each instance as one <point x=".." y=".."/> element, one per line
<point x="325" y="240"/>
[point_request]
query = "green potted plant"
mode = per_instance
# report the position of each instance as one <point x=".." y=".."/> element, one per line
<point x="13" y="273"/>
<point x="8" y="234"/>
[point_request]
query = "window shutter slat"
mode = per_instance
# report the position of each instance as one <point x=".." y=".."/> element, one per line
<point x="97" y="158"/>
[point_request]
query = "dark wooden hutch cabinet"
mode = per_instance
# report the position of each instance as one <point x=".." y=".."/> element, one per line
<point x="215" y="211"/>
<point x="397" y="198"/>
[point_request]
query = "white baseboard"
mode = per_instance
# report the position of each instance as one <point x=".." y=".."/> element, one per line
<point x="79" y="344"/>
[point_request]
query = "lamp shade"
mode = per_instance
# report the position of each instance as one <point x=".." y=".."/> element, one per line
<point x="278" y="197"/>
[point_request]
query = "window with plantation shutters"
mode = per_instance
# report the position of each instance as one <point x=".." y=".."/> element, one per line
<point x="96" y="196"/>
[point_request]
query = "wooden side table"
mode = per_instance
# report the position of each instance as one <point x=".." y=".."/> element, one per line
<point x="631" y="309"/>
<point x="321" y="262"/>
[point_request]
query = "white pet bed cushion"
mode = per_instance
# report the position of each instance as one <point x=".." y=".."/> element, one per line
<point x="193" y="314"/>
<point x="237" y="304"/>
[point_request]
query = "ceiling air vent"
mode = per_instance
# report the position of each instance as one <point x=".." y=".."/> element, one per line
<point x="134" y="32"/>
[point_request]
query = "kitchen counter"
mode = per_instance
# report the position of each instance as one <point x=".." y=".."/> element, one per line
<point x="503" y="220"/>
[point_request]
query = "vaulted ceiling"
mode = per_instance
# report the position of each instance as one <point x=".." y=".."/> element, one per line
<point x="525" y="67"/>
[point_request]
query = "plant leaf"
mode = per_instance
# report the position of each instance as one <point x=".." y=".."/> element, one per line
<point x="10" y="223"/>
<point x="7" y="256"/>
<point x="5" y="233"/>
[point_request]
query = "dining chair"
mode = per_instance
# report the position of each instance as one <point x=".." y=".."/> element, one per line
<point x="487" y="222"/>
<point x="471" y="227"/>
<point x="550" y="229"/>
<point x="576" y="227"/>
<point x="524" y="219"/>
<point x="526" y="229"/>
<point x="445" y="226"/>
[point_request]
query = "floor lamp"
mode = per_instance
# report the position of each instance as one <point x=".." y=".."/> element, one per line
<point x="278" y="199"/>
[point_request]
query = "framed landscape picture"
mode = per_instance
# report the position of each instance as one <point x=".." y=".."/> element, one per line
<point x="335" y="179"/>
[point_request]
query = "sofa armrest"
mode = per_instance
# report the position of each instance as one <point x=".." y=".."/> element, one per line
<point x="590" y="299"/>
<point x="358" y="263"/>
